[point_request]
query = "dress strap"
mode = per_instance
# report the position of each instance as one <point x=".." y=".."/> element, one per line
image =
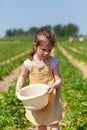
<point x="48" y="61"/>
<point x="31" y="65"/>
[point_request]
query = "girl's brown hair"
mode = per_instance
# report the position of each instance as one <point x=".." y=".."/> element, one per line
<point x="43" y="34"/>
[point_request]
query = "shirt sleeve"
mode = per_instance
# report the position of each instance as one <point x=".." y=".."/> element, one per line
<point x="53" y="62"/>
<point x="27" y="64"/>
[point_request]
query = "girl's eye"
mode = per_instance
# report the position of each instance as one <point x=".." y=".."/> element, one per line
<point x="49" y="50"/>
<point x="46" y="50"/>
<point x="43" y="49"/>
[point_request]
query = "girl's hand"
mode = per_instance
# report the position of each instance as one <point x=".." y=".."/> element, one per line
<point x="50" y="89"/>
<point x="17" y="91"/>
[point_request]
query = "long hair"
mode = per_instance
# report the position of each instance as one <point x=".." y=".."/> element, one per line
<point x="43" y="34"/>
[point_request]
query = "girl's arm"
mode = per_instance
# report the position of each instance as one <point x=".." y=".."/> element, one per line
<point x="21" y="79"/>
<point x="57" y="78"/>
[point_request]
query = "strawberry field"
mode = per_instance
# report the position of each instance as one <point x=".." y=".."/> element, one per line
<point x="74" y="86"/>
<point x="12" y="54"/>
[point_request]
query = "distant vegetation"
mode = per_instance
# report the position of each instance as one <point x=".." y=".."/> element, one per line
<point x="66" y="30"/>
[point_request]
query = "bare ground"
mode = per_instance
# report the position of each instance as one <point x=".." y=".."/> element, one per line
<point x="9" y="79"/>
<point x="79" y="64"/>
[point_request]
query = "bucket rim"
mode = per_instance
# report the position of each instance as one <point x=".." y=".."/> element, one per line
<point x="31" y="97"/>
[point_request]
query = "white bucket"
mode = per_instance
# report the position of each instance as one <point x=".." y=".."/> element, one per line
<point x="34" y="96"/>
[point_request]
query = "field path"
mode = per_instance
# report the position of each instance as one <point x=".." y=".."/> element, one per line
<point x="9" y="79"/>
<point x="14" y="58"/>
<point x="80" y="65"/>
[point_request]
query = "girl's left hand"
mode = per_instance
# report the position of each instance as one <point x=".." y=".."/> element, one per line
<point x="50" y="89"/>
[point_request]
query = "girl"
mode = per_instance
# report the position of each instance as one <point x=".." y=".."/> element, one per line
<point x="43" y="68"/>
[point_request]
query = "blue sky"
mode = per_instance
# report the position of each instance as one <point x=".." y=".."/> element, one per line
<point x="15" y="14"/>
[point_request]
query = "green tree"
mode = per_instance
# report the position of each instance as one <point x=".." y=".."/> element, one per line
<point x="72" y="29"/>
<point x="49" y="26"/>
<point x="9" y="33"/>
<point x="32" y="31"/>
<point x="58" y="29"/>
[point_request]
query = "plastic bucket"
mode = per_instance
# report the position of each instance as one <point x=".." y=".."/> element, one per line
<point x="34" y="96"/>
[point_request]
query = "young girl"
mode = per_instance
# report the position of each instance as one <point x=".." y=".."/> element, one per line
<point x="43" y="68"/>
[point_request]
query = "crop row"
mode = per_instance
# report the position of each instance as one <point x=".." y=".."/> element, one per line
<point x="12" y="47"/>
<point x="74" y="97"/>
<point x="13" y="54"/>
<point x="77" y="50"/>
<point x="8" y="67"/>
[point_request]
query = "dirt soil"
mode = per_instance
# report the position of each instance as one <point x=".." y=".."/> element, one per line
<point x="79" y="64"/>
<point x="9" y="79"/>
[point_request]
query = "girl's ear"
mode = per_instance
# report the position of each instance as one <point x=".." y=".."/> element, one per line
<point x="35" y="45"/>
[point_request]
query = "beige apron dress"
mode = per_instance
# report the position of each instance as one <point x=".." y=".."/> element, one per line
<point x="52" y="113"/>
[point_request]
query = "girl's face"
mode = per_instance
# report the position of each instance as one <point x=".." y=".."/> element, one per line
<point x="44" y="50"/>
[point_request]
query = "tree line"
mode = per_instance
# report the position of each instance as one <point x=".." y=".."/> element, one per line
<point x="62" y="31"/>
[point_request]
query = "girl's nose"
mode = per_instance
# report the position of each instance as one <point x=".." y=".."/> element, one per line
<point x="45" y="53"/>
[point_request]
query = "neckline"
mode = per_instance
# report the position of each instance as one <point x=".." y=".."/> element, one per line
<point x="40" y="63"/>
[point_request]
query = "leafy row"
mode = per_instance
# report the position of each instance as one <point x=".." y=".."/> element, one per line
<point x="77" y="50"/>
<point x="74" y="95"/>
<point x="8" y="67"/>
<point x="12" y="47"/>
<point x="11" y="50"/>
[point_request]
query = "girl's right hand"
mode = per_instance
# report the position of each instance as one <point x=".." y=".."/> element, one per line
<point x="50" y="89"/>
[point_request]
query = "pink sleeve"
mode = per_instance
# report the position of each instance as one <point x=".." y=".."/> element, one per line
<point x="27" y="64"/>
<point x="53" y="62"/>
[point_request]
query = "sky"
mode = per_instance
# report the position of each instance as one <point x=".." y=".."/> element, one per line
<point x="16" y="14"/>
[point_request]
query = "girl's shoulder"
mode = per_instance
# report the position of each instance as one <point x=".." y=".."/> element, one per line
<point x="53" y="62"/>
<point x="27" y="64"/>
